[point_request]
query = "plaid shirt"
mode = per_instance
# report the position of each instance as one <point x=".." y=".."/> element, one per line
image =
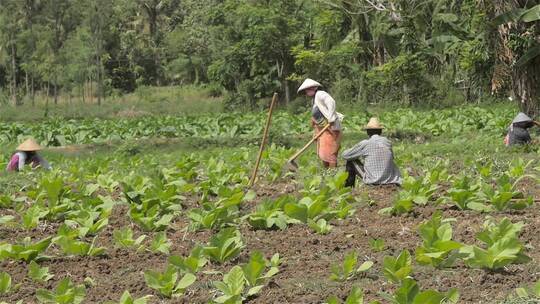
<point x="378" y="161"/>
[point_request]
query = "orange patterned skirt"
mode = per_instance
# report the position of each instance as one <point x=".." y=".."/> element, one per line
<point x="328" y="144"/>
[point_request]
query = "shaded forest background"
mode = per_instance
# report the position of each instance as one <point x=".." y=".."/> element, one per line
<point x="407" y="52"/>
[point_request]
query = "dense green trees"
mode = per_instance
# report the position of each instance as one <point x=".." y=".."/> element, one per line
<point x="405" y="51"/>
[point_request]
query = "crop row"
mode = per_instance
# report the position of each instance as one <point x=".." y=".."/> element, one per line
<point x="55" y="132"/>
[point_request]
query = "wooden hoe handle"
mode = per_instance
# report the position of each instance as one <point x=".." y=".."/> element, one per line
<point x="309" y="143"/>
<point x="263" y="141"/>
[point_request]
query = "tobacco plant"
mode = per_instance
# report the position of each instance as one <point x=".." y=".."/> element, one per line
<point x="501" y="246"/>
<point x="245" y="281"/>
<point x="409" y="293"/>
<point x="66" y="292"/>
<point x="123" y="237"/>
<point x="438" y="249"/>
<point x="192" y="263"/>
<point x="225" y="245"/>
<point x="397" y="269"/>
<point x="39" y="274"/>
<point x="348" y="270"/>
<point x="25" y="250"/>
<point x="167" y="282"/>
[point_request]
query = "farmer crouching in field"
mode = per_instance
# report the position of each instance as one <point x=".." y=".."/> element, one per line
<point x="27" y="154"/>
<point x="372" y="159"/>
<point x="518" y="133"/>
<point x="324" y="112"/>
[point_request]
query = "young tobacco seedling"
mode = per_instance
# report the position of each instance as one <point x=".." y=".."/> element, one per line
<point x="532" y="291"/>
<point x="397" y="269"/>
<point x="438" y="249"/>
<point x="502" y="246"/>
<point x="5" y="283"/>
<point x="65" y="293"/>
<point x="254" y="271"/>
<point x="190" y="264"/>
<point x="377" y="245"/>
<point x="463" y="194"/>
<point x="39" y="274"/>
<point x="247" y="280"/>
<point x="167" y="282"/>
<point x="321" y="226"/>
<point x="25" y="251"/>
<point x="88" y="223"/>
<point x="32" y="216"/>
<point x="347" y="270"/>
<point x="123" y="238"/>
<point x="67" y="241"/>
<point x="224" y="245"/>
<point x="356" y="296"/>
<point x="128" y="299"/>
<point x="269" y="214"/>
<point x="160" y="243"/>
<point x="409" y="293"/>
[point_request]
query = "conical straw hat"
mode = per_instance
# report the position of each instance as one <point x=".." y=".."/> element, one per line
<point x="29" y="145"/>
<point x="373" y="123"/>
<point x="308" y="83"/>
<point x="521" y="117"/>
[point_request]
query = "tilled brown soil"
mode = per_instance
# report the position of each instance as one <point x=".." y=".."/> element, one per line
<point x="307" y="257"/>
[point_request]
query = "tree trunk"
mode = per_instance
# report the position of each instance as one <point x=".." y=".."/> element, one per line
<point x="14" y="75"/>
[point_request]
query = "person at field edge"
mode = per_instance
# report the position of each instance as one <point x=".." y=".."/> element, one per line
<point x="372" y="159"/>
<point x="518" y="133"/>
<point x="27" y="153"/>
<point x="324" y="112"/>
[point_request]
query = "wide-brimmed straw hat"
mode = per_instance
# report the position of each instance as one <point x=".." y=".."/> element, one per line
<point x="29" y="145"/>
<point x="373" y="124"/>
<point x="308" y="83"/>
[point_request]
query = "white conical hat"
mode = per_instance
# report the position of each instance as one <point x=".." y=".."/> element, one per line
<point x="308" y="83"/>
<point x="373" y="123"/>
<point x="521" y="117"/>
<point x="29" y="145"/>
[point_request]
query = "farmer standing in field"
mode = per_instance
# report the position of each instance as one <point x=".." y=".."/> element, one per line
<point x="518" y="133"/>
<point x="27" y="153"/>
<point x="324" y="112"/>
<point x="372" y="159"/>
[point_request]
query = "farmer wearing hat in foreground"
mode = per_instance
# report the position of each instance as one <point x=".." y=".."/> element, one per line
<point x="518" y="133"/>
<point x="27" y="154"/>
<point x="372" y="159"/>
<point x="324" y="112"/>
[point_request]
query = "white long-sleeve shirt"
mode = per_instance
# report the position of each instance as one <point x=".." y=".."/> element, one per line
<point x="327" y="106"/>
